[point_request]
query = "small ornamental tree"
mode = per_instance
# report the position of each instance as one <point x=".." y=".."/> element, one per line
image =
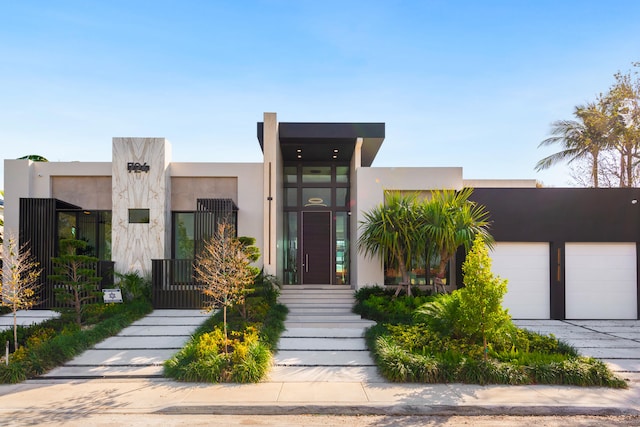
<point x="76" y="275"/>
<point x="481" y="312"/>
<point x="19" y="285"/>
<point x="223" y="271"/>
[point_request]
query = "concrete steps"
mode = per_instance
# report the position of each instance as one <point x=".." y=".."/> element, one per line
<point x="323" y="340"/>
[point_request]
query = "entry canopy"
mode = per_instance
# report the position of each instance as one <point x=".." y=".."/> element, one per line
<point x="327" y="141"/>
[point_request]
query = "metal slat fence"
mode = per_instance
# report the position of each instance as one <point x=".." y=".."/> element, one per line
<point x="173" y="285"/>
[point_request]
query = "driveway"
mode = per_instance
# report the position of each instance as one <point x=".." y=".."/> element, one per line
<point x="616" y="342"/>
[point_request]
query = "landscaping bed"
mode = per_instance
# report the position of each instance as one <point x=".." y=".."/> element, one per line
<point x="429" y="347"/>
<point x="254" y="329"/>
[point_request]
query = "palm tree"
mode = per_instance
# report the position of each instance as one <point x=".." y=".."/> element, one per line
<point x="33" y="158"/>
<point x="393" y="231"/>
<point x="452" y="220"/>
<point x="582" y="138"/>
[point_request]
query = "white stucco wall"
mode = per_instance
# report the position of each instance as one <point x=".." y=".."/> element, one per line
<point x="249" y="201"/>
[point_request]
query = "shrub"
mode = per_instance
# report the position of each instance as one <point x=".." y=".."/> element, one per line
<point x="249" y="342"/>
<point x="134" y="286"/>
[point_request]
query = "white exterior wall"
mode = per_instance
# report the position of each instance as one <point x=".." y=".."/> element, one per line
<point x="250" y="203"/>
<point x="371" y="186"/>
<point x="500" y="183"/>
<point x="25" y="179"/>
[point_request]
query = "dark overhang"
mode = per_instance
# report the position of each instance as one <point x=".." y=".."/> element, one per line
<point x="327" y="141"/>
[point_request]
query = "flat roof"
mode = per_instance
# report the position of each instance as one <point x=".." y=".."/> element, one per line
<point x="320" y="140"/>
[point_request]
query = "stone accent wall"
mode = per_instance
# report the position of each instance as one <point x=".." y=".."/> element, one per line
<point x="140" y="180"/>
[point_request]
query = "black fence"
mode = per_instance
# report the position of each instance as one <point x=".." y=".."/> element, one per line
<point x="173" y="285"/>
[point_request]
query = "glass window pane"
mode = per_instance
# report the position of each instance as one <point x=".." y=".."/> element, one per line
<point x="316" y="197"/>
<point x="67" y="225"/>
<point x="342" y="248"/>
<point x="104" y="236"/>
<point x="183" y="226"/>
<point x="291" y="248"/>
<point x="139" y="216"/>
<point x="291" y="197"/>
<point x="290" y="174"/>
<point x="316" y="174"/>
<point x="342" y="198"/>
<point x="342" y="173"/>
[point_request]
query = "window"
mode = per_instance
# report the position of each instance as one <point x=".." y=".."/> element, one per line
<point x="183" y="235"/>
<point x="138" y="216"/>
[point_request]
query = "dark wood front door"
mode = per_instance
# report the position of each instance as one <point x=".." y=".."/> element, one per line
<point x="316" y="248"/>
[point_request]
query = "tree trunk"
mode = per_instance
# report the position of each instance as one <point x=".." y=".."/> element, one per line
<point x="630" y="169"/>
<point x="78" y="308"/>
<point x="594" y="172"/>
<point x="405" y="278"/>
<point x="15" y="329"/>
<point x="224" y="325"/>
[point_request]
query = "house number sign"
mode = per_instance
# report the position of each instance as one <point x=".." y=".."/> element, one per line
<point x="137" y="167"/>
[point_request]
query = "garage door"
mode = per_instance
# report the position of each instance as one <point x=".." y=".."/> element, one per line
<point x="601" y="281"/>
<point x="526" y="267"/>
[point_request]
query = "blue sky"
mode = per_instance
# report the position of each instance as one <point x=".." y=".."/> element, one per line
<point x="458" y="83"/>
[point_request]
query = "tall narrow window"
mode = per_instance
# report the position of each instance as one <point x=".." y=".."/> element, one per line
<point x="183" y="232"/>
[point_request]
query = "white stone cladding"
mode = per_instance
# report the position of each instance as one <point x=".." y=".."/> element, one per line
<point x="133" y="246"/>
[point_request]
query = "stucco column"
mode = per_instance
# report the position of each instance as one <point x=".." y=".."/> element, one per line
<point x="271" y="190"/>
<point x="140" y="179"/>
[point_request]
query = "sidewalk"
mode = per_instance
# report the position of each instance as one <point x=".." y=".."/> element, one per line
<point x="45" y="400"/>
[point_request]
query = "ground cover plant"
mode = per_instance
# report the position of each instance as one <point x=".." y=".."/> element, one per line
<point x="467" y="337"/>
<point x="253" y="326"/>
<point x="49" y="344"/>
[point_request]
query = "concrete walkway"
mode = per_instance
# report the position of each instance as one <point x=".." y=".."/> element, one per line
<point x="26" y="318"/>
<point x="137" y="351"/>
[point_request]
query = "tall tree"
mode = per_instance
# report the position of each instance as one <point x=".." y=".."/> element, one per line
<point x="223" y="271"/>
<point x="20" y="281"/>
<point x="622" y="103"/>
<point x="583" y="138"/>
<point x="451" y="220"/>
<point x="393" y="232"/>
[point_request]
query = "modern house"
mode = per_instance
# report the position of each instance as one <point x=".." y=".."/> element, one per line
<point x="567" y="252"/>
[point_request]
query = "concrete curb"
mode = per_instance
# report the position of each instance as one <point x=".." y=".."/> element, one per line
<point x="395" y="410"/>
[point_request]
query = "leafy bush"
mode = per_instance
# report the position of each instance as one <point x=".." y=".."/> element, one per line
<point x="446" y="360"/>
<point x="385" y="308"/>
<point x="134" y="286"/>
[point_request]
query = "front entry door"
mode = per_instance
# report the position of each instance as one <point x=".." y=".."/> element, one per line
<point x="316" y="248"/>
